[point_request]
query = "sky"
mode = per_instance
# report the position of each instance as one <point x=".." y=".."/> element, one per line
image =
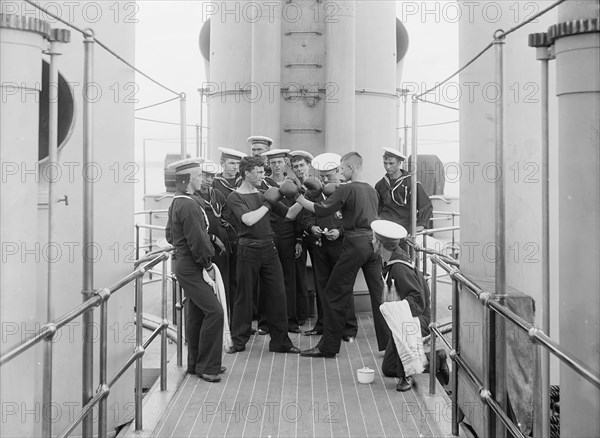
<point x="167" y="49"/>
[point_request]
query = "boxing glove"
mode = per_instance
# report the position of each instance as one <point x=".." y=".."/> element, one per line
<point x="272" y="195"/>
<point x="330" y="188"/>
<point x="313" y="187"/>
<point x="289" y="190"/>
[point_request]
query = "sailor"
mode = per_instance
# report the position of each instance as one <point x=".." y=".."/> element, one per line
<point x="395" y="194"/>
<point x="226" y="182"/>
<point x="357" y="200"/>
<point x="215" y="207"/>
<point x="258" y="259"/>
<point x="325" y="246"/>
<point x="409" y="285"/>
<point x="229" y="179"/>
<point x="187" y="231"/>
<point x="300" y="165"/>
<point x="260" y="144"/>
<point x="287" y="236"/>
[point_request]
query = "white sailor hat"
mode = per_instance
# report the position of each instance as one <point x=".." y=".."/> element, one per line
<point x="394" y="153"/>
<point x="299" y="154"/>
<point x="231" y="154"/>
<point x="260" y="139"/>
<point x="211" y="167"/>
<point x="387" y="231"/>
<point x="327" y="161"/>
<point x="184" y="166"/>
<point x="276" y="153"/>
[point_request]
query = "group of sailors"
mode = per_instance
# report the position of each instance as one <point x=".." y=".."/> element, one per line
<point x="257" y="216"/>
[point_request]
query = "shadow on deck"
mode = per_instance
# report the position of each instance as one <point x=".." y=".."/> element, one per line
<point x="264" y="394"/>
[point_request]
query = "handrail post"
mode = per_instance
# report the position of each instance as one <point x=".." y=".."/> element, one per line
<point x="455" y="351"/>
<point x="174" y="299"/>
<point x="497" y="346"/>
<point x="179" y="325"/>
<point x="453" y="238"/>
<point x="163" y="333"/>
<point x="88" y="233"/>
<point x="488" y="359"/>
<point x="103" y="404"/>
<point x="139" y="341"/>
<point x="432" y="356"/>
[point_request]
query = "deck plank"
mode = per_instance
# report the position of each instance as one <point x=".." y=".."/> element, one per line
<point x="273" y="394"/>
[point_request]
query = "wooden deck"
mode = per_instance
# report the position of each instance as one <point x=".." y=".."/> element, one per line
<point x="264" y="394"/>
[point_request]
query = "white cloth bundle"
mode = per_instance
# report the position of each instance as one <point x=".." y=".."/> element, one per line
<point x="406" y="330"/>
<point x="219" y="290"/>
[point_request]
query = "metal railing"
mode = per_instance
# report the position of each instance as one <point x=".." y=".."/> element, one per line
<point x="178" y="302"/>
<point x="100" y="298"/>
<point x="492" y="308"/>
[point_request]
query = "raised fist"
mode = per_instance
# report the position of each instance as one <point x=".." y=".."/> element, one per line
<point x="289" y="190"/>
<point x="330" y="188"/>
<point x="272" y="195"/>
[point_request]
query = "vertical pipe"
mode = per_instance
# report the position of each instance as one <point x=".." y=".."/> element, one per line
<point x="88" y="233"/>
<point x="163" y="333"/>
<point x="137" y="241"/>
<point x="179" y="326"/>
<point x="545" y="354"/>
<point x="453" y="239"/>
<point x="103" y="404"/>
<point x="198" y="140"/>
<point x="455" y="350"/>
<point x="432" y="358"/>
<point x="201" y="91"/>
<point x="139" y="361"/>
<point x="52" y="166"/>
<point x="498" y="348"/>
<point x="405" y="147"/>
<point x="412" y="168"/>
<point x="144" y="169"/>
<point x="182" y="123"/>
<point x="424" y="256"/>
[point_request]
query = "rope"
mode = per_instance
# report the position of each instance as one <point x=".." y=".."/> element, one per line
<point x="156" y="104"/>
<point x="89" y="34"/>
<point x="436" y="103"/>
<point x="501" y="35"/>
<point x="163" y="122"/>
<point x="529" y="20"/>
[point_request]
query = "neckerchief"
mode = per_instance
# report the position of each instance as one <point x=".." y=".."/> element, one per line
<point x="401" y="198"/>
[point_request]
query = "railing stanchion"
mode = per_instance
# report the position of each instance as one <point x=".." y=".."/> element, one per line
<point x="432" y="355"/>
<point x="103" y="404"/>
<point x="163" y="334"/>
<point x="139" y="361"/>
<point x="179" y="325"/>
<point x="455" y="334"/>
<point x="488" y="373"/>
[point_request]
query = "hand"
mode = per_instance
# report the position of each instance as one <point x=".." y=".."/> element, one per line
<point x="333" y="234"/>
<point x="220" y="245"/>
<point x="298" y="250"/>
<point x="272" y="195"/>
<point x="316" y="230"/>
<point x="420" y="228"/>
<point x="211" y="273"/>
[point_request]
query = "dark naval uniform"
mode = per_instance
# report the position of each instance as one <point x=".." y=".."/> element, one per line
<point x="258" y="258"/>
<point x="400" y="272"/>
<point x="285" y="235"/>
<point x="215" y="207"/>
<point x="358" y="203"/>
<point x="395" y="201"/>
<point x="187" y="232"/>
<point x="324" y="255"/>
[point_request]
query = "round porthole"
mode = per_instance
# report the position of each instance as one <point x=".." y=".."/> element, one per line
<point x="66" y="111"/>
